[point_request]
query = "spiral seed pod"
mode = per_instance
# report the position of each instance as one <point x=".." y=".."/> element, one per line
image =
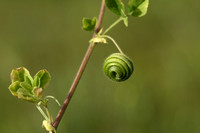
<point x="118" y="67"/>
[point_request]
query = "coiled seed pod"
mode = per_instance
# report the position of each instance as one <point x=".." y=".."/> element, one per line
<point x="118" y="67"/>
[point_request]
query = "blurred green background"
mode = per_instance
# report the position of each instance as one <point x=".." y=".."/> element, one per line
<point x="162" y="96"/>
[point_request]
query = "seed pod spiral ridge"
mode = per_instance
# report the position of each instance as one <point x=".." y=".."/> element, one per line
<point x="118" y="67"/>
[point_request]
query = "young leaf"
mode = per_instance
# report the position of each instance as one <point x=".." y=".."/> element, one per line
<point x="23" y="94"/>
<point x="36" y="81"/>
<point x="138" y="8"/>
<point x="18" y="74"/>
<point x="89" y="24"/>
<point x="44" y="77"/>
<point x="28" y="79"/>
<point x="14" y="87"/>
<point x="116" y="6"/>
<point x="26" y="86"/>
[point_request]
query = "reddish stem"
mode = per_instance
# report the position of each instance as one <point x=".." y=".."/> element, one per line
<point x="80" y="71"/>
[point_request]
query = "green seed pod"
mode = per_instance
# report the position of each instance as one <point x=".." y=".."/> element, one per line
<point x="118" y="67"/>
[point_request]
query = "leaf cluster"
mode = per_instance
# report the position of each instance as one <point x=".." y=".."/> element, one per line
<point x="25" y="87"/>
<point x="136" y="8"/>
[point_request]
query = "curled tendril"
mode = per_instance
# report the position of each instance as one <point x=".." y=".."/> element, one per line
<point x="118" y="67"/>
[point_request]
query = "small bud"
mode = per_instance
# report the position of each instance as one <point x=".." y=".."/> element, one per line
<point x="98" y="40"/>
<point x="37" y="92"/>
<point x="47" y="125"/>
<point x="18" y="74"/>
<point x="44" y="78"/>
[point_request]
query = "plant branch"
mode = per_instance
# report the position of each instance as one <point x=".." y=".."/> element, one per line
<point x="80" y="71"/>
<point x="115" y="23"/>
<point x="42" y="112"/>
<point x="117" y="46"/>
<point x="49" y="114"/>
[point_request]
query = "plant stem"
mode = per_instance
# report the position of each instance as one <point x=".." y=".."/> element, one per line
<point x="106" y="36"/>
<point x="115" y="23"/>
<point x="48" y="113"/>
<point x="80" y="71"/>
<point x="42" y="112"/>
<point x="47" y="97"/>
<point x="74" y="85"/>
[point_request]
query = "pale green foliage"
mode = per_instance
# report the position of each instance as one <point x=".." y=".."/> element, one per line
<point x="116" y="6"/>
<point x="24" y="87"/>
<point x="138" y="8"/>
<point x="89" y="24"/>
<point x="42" y="78"/>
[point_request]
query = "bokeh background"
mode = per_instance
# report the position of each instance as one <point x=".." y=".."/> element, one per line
<point x="162" y="96"/>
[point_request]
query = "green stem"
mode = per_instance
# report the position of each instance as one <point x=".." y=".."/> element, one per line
<point x="113" y="25"/>
<point x="47" y="97"/>
<point x="48" y="113"/>
<point x="106" y="36"/>
<point x="42" y="112"/>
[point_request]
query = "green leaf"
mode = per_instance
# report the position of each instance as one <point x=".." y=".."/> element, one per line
<point x="36" y="81"/>
<point x="14" y="87"/>
<point x="18" y="74"/>
<point x="22" y="90"/>
<point x="138" y="8"/>
<point x="24" y="94"/>
<point x="26" y="86"/>
<point x="28" y="79"/>
<point x="116" y="6"/>
<point x="89" y="24"/>
<point x="44" y="78"/>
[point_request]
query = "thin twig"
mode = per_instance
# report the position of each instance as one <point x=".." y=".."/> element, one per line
<point x="117" y="46"/>
<point x="42" y="112"/>
<point x="80" y="71"/>
<point x="115" y="23"/>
